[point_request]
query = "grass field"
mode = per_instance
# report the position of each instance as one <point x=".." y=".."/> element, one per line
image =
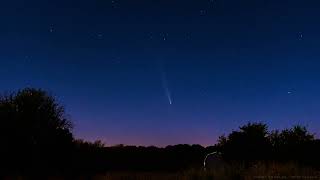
<point x="259" y="171"/>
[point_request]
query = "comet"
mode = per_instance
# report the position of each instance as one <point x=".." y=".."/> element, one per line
<point x="166" y="87"/>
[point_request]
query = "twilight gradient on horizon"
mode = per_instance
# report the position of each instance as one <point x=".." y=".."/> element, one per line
<point x="226" y="62"/>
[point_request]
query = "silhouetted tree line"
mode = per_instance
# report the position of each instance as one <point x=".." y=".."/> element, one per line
<point x="253" y="142"/>
<point x="36" y="137"/>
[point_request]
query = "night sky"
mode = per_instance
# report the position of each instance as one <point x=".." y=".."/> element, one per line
<point x="160" y="72"/>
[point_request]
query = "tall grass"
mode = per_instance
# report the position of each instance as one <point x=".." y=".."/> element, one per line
<point x="258" y="171"/>
<point x="231" y="172"/>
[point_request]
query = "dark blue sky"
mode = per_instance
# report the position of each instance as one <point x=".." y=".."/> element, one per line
<point x="117" y="64"/>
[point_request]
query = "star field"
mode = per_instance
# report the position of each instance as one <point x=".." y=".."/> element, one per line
<point x="166" y="72"/>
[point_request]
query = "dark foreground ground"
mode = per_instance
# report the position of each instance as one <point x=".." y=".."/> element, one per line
<point x="258" y="171"/>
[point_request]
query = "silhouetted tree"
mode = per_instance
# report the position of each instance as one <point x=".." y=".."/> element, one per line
<point x="250" y="143"/>
<point x="34" y="131"/>
<point x="295" y="144"/>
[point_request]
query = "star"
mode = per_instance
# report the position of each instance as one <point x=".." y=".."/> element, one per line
<point x="165" y="36"/>
<point x="203" y="12"/>
<point x="300" y="35"/>
<point x="113" y="3"/>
